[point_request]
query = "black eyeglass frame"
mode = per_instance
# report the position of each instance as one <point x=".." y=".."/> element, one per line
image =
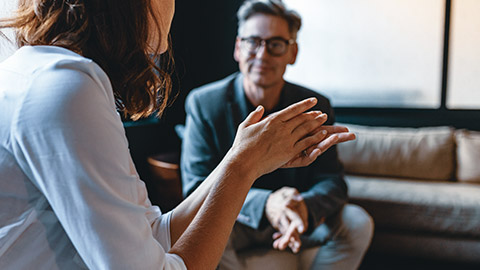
<point x="266" y="42"/>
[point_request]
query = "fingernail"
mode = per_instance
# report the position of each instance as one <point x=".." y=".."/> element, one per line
<point x="258" y="108"/>
<point x="312" y="100"/>
<point x="324" y="132"/>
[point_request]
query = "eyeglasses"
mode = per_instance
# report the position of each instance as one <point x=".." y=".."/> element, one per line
<point x="275" y="46"/>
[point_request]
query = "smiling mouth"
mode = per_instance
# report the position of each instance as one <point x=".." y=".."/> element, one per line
<point x="261" y="68"/>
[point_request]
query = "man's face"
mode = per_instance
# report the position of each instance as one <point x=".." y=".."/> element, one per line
<point x="262" y="68"/>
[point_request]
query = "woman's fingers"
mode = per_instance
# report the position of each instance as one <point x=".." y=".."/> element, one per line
<point x="335" y="139"/>
<point x="304" y="117"/>
<point x="307" y="142"/>
<point x="253" y="117"/>
<point x="295" y="109"/>
<point x="328" y="135"/>
<point x="314" y="145"/>
<point x="309" y="124"/>
<point x="305" y="158"/>
<point x="334" y="129"/>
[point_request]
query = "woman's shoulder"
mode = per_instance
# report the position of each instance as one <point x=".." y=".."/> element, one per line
<point x="31" y="62"/>
<point x="59" y="82"/>
<point x="62" y="70"/>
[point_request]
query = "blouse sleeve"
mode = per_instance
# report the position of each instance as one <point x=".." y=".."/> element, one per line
<point x="69" y="140"/>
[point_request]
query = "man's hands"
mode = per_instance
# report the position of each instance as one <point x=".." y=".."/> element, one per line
<point x="287" y="212"/>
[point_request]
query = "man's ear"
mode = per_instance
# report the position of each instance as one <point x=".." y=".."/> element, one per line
<point x="294" y="53"/>
<point x="236" y="51"/>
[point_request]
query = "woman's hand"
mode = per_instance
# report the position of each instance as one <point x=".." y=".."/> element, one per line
<point x="333" y="135"/>
<point x="264" y="145"/>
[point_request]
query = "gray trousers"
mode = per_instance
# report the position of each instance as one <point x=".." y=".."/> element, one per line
<point x="342" y="240"/>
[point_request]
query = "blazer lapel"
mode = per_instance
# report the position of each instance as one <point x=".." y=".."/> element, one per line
<point x="237" y="104"/>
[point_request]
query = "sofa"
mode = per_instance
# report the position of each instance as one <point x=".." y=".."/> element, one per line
<point x="422" y="188"/>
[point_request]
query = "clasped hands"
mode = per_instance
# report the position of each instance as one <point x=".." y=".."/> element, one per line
<point x="288" y="214"/>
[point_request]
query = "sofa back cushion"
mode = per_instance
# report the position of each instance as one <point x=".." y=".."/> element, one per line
<point x="420" y="153"/>
<point x="468" y="156"/>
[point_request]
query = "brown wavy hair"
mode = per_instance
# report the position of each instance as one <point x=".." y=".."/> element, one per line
<point x="114" y="34"/>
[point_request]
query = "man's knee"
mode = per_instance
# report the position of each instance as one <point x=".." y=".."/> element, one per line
<point x="359" y="224"/>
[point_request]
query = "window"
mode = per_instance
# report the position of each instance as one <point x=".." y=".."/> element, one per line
<point x="6" y="48"/>
<point x="464" y="56"/>
<point x="371" y="53"/>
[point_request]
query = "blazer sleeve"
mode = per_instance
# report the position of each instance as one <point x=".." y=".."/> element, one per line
<point x="199" y="155"/>
<point x="252" y="213"/>
<point x="325" y="177"/>
<point x="328" y="192"/>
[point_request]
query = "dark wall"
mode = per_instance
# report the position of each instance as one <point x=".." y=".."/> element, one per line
<point x="203" y="37"/>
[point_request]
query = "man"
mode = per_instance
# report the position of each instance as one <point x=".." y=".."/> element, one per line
<point x="288" y="208"/>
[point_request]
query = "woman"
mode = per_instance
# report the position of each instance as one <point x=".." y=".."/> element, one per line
<point x="70" y="197"/>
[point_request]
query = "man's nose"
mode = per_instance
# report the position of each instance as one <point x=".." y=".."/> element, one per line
<point x="262" y="50"/>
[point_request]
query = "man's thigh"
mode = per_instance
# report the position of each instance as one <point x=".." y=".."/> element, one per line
<point x="346" y="223"/>
<point x="244" y="237"/>
<point x="342" y="240"/>
<point x="322" y="234"/>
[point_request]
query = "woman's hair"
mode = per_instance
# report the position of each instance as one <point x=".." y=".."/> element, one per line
<point x="114" y="34"/>
<point x="269" y="7"/>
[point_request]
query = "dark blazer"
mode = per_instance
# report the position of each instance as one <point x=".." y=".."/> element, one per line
<point x="214" y="112"/>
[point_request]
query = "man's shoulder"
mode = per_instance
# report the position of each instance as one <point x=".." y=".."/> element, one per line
<point x="297" y="93"/>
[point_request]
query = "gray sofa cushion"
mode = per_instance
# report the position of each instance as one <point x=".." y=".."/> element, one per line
<point x="418" y="153"/>
<point x="468" y="156"/>
<point x="442" y="248"/>
<point x="429" y="207"/>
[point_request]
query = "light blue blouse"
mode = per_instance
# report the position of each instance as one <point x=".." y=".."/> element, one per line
<point x="70" y="197"/>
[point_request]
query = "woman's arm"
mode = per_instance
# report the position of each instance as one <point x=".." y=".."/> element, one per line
<point x="201" y="225"/>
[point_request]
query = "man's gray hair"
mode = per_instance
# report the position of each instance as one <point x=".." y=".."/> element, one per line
<point x="269" y="7"/>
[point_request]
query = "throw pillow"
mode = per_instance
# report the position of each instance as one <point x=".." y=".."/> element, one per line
<point x="468" y="155"/>
<point x="421" y="153"/>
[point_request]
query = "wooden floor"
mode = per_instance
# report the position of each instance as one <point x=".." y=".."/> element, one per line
<point x="388" y="262"/>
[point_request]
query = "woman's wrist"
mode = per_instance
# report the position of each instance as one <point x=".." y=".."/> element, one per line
<point x="243" y="166"/>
